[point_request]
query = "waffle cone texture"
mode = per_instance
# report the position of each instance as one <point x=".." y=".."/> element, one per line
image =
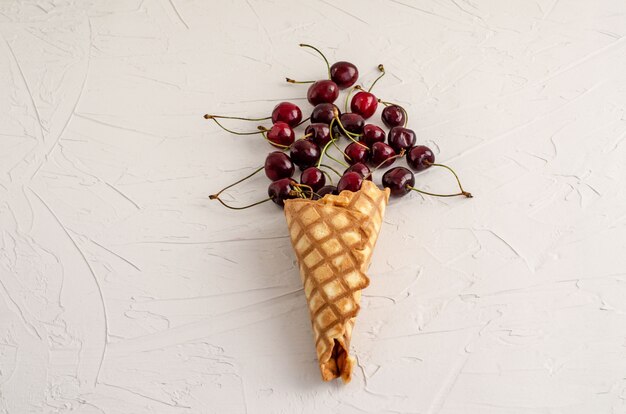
<point x="334" y="239"/>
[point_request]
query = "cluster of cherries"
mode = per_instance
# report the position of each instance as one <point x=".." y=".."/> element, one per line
<point x="366" y="151"/>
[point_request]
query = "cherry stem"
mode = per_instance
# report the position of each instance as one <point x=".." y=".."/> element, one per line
<point x="348" y="133"/>
<point x="302" y="122"/>
<point x="330" y="168"/>
<point x="345" y="107"/>
<point x="240" y="208"/>
<point x="289" y="80"/>
<point x="216" y="195"/>
<point x="325" y="149"/>
<point x="382" y="69"/>
<point x="406" y="114"/>
<point x="320" y="53"/>
<point x="233" y="132"/>
<point x="208" y="116"/>
<point x="298" y="189"/>
<point x="463" y="192"/>
<point x="327" y="175"/>
<point x="264" y="130"/>
<point x="402" y="152"/>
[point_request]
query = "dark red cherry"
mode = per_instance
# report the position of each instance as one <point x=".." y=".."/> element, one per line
<point x="352" y="122"/>
<point x="371" y="134"/>
<point x="351" y="181"/>
<point x="322" y="91"/>
<point x="356" y="152"/>
<point x="400" y="138"/>
<point x="318" y="133"/>
<point x="324" y="113"/>
<point x="313" y="177"/>
<point x="278" y="165"/>
<point x="288" y="113"/>
<point x="364" y="104"/>
<point x="344" y="74"/>
<point x="280" y="190"/>
<point x="399" y="180"/>
<point x="420" y="157"/>
<point x="380" y="153"/>
<point x="393" y="116"/>
<point x="360" y="168"/>
<point x="304" y="153"/>
<point x="327" y="189"/>
<point x="281" y="134"/>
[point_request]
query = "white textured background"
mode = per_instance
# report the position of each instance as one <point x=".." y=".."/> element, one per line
<point x="124" y="290"/>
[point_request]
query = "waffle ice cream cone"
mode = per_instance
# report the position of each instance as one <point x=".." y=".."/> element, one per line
<point x="333" y="239"/>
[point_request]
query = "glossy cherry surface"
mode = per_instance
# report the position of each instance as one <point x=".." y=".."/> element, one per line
<point x="371" y="134"/>
<point x="344" y="74"/>
<point x="400" y="138"/>
<point x="278" y="165"/>
<point x="393" y="116"/>
<point x="355" y="153"/>
<point x="318" y="133"/>
<point x="351" y="181"/>
<point x="288" y="113"/>
<point x="361" y="169"/>
<point x="280" y="190"/>
<point x="322" y="91"/>
<point x="382" y="152"/>
<point x="364" y="104"/>
<point x="327" y="189"/>
<point x="304" y="153"/>
<point x="281" y="134"/>
<point x="313" y="177"/>
<point x="324" y="113"/>
<point x="399" y="180"/>
<point x="420" y="157"/>
<point x="352" y="122"/>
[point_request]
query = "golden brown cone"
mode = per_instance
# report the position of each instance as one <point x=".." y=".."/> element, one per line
<point x="333" y="239"/>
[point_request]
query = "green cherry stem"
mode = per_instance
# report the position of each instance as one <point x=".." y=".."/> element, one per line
<point x="458" y="181"/>
<point x="263" y="132"/>
<point x="231" y="131"/>
<point x="345" y="106"/>
<point x="382" y="69"/>
<point x="209" y="116"/>
<point x="289" y="80"/>
<point x="243" y="207"/>
<point x="400" y="155"/>
<point x="216" y="195"/>
<point x="330" y="168"/>
<point x="302" y="122"/>
<point x="320" y="53"/>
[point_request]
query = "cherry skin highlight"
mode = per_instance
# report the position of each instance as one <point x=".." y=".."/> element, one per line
<point x="304" y="153"/>
<point x="382" y="152"/>
<point x="371" y="134"/>
<point x="399" y="180"/>
<point x="361" y="169"/>
<point x="400" y="138"/>
<point x="420" y="157"/>
<point x="351" y="181"/>
<point x="322" y="91"/>
<point x="313" y="177"/>
<point x="356" y="153"/>
<point x="393" y="116"/>
<point x="278" y="165"/>
<point x="318" y="133"/>
<point x="344" y="74"/>
<point x="280" y="190"/>
<point x="364" y="104"/>
<point x="281" y="134"/>
<point x="288" y="113"/>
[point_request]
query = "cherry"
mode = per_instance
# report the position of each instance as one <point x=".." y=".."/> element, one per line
<point x="281" y="135"/>
<point x="364" y="104"/>
<point x="393" y="116"/>
<point x="400" y="138"/>
<point x="322" y="91"/>
<point x="278" y="165"/>
<point x="288" y="113"/>
<point x="344" y="74"/>
<point x="382" y="155"/>
<point x="304" y="153"/>
<point x="356" y="152"/>
<point x="420" y="157"/>
<point x="371" y="134"/>
<point x="318" y="133"/>
<point x="352" y="122"/>
<point x="313" y="177"/>
<point x="399" y="180"/>
<point x="351" y="181"/>
<point x="360" y="168"/>
<point x="280" y="190"/>
<point x="325" y="113"/>
<point x="327" y="189"/>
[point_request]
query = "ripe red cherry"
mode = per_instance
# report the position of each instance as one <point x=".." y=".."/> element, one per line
<point x="352" y="122"/>
<point x="319" y="133"/>
<point x="382" y="152"/>
<point x="327" y="189"/>
<point x="288" y="113"/>
<point x="278" y="165"/>
<point x="324" y="113"/>
<point x="322" y="91"/>
<point x="371" y="134"/>
<point x="304" y="153"/>
<point x="313" y="177"/>
<point x="400" y="138"/>
<point x="361" y="169"/>
<point x="281" y="134"/>
<point x="399" y="180"/>
<point x="364" y="104"/>
<point x="280" y="190"/>
<point x="351" y="181"/>
<point x="420" y="157"/>
<point x="344" y="74"/>
<point x="356" y="152"/>
<point x="393" y="116"/>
